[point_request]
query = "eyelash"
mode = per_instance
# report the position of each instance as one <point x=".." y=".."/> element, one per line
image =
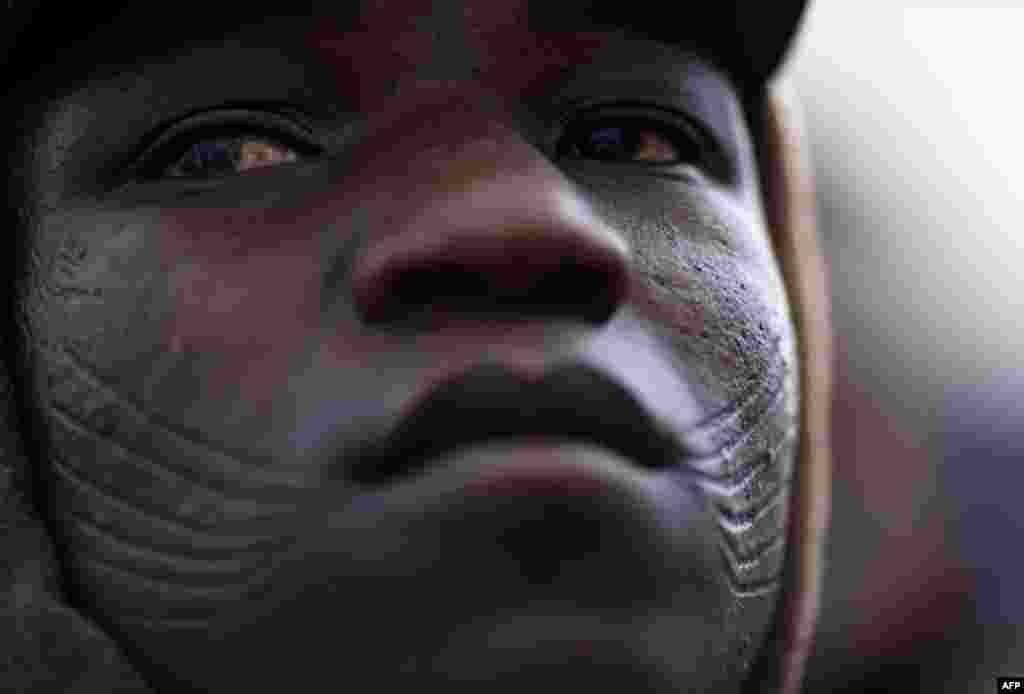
<point x="691" y="141"/>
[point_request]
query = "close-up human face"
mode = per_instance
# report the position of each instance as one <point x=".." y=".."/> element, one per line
<point x="447" y="347"/>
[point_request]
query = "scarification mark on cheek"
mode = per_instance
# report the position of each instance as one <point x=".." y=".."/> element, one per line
<point x="747" y="485"/>
<point x="750" y="535"/>
<point x="754" y="576"/>
<point x="125" y="590"/>
<point x="122" y="469"/>
<point x="86" y="397"/>
<point x="131" y="548"/>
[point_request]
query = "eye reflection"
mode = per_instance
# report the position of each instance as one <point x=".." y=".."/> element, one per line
<point x="225" y="156"/>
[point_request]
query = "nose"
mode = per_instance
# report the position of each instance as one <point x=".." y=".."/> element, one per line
<point x="499" y="231"/>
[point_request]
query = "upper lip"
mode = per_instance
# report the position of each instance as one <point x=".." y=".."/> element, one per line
<point x="573" y="402"/>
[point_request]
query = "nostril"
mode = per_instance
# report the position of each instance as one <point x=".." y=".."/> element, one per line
<point x="497" y="287"/>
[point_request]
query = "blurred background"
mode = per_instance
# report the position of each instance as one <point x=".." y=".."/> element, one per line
<point x="916" y="117"/>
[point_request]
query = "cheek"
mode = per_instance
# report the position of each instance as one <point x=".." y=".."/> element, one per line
<point x="722" y="322"/>
<point x="182" y="305"/>
<point x="236" y="284"/>
<point x="246" y="314"/>
<point x="706" y="283"/>
<point x="713" y="296"/>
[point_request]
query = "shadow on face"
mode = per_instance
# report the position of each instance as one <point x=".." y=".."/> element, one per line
<point x="446" y="347"/>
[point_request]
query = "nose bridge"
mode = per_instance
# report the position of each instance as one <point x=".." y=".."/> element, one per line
<point x="489" y="222"/>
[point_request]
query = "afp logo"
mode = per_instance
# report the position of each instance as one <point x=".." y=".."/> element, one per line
<point x="1010" y="684"/>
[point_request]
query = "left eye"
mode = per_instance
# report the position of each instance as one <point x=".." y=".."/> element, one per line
<point x="630" y="139"/>
<point x="223" y="156"/>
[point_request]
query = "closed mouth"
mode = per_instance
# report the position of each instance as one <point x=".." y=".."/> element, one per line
<point x="492" y="402"/>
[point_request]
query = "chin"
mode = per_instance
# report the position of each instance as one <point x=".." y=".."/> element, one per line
<point x="585" y="653"/>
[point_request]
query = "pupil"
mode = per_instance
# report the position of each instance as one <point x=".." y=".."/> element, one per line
<point x="202" y="157"/>
<point x="608" y="141"/>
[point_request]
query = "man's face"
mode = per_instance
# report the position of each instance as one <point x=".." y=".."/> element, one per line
<point x="440" y="345"/>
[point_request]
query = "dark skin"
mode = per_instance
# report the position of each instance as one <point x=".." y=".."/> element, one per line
<point x="410" y="350"/>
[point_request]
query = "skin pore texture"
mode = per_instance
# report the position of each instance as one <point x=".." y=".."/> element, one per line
<point x="478" y="372"/>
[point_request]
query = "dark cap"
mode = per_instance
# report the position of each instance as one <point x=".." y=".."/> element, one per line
<point x="747" y="38"/>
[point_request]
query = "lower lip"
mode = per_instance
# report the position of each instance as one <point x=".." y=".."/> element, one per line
<point x="535" y="468"/>
<point x="588" y="475"/>
<point x="539" y="469"/>
<point x="593" y="481"/>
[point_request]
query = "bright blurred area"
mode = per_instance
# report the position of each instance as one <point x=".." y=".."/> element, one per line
<point x="914" y="112"/>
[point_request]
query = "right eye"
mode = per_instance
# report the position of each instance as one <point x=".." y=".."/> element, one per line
<point x="224" y="156"/>
<point x="226" y="143"/>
